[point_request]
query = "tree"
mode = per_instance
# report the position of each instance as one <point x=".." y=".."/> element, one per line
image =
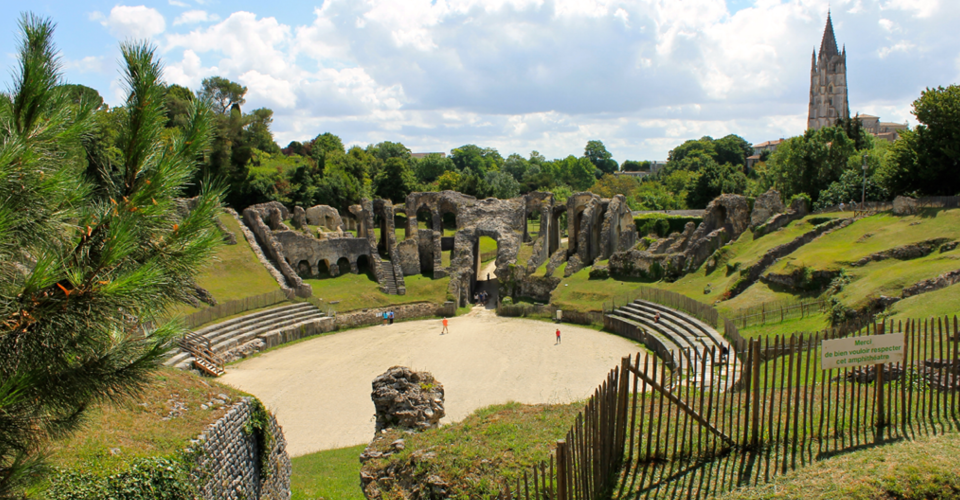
<point x="581" y="173"/>
<point x="732" y="149"/>
<point x="597" y="153"/>
<point x="713" y="181"/>
<point x="635" y="166"/>
<point x="223" y="93"/>
<point x="395" y="180"/>
<point x="516" y="166"/>
<point x="611" y="185"/>
<point x="431" y="167"/>
<point x="501" y="185"/>
<point x="809" y="163"/>
<point x="476" y="159"/>
<point x="927" y="160"/>
<point x="177" y="101"/>
<point x="83" y="274"/>
<point x="448" y="180"/>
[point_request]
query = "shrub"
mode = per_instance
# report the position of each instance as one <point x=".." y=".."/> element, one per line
<point x="156" y="478"/>
<point x="662" y="224"/>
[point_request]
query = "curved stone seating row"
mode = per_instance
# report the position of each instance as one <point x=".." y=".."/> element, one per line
<point x="238" y="331"/>
<point x="685" y="338"/>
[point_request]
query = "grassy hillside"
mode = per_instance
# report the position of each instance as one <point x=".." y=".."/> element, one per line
<point x="924" y="468"/>
<point x="360" y="291"/>
<point x="159" y="422"/>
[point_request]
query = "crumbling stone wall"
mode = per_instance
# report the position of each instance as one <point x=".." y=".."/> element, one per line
<point x="724" y="220"/>
<point x="229" y="466"/>
<point x="253" y="218"/>
<point x="324" y="216"/>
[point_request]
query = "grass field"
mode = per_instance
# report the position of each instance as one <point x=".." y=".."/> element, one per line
<point x="360" y="291"/>
<point x="924" y="468"/>
<point x="161" y="421"/>
<point x="940" y="303"/>
<point x="333" y="474"/>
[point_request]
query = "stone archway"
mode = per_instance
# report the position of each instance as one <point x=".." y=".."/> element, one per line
<point x="343" y="266"/>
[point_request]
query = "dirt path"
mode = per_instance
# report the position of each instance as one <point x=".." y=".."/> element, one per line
<point x="320" y="388"/>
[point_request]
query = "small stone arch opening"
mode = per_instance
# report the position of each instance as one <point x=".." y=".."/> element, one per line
<point x="323" y="269"/>
<point x="424" y="218"/>
<point x="364" y="267"/>
<point x="303" y="269"/>
<point x="343" y="265"/>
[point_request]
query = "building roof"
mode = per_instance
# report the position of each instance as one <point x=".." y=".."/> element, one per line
<point x="863" y="115"/>
<point x="754" y="157"/>
<point x="893" y="125"/>
<point x="766" y="144"/>
<point x="828" y="46"/>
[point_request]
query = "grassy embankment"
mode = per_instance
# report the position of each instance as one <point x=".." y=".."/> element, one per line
<point x="831" y="252"/>
<point x="471" y="456"/>
<point x="234" y="273"/>
<point x="160" y="421"/>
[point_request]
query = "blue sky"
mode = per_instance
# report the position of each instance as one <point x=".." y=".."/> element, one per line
<point x="519" y="75"/>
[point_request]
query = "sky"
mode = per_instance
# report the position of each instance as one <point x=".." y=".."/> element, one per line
<point x="517" y="75"/>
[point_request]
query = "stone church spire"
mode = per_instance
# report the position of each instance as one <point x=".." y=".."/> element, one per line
<point x="828" y="82"/>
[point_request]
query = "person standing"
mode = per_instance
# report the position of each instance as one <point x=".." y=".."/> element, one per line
<point x="558" y="337"/>
<point x="391" y="317"/>
<point x="384" y="318"/>
<point x="445" y="330"/>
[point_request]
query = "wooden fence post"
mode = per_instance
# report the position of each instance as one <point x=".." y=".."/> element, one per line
<point x="562" y="471"/>
<point x="755" y="417"/>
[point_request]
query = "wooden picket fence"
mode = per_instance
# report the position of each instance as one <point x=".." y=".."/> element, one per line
<point x="717" y="424"/>
<point x="778" y="312"/>
<point x="232" y="307"/>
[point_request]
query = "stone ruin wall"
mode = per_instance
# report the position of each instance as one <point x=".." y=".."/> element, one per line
<point x="599" y="227"/>
<point x="229" y="467"/>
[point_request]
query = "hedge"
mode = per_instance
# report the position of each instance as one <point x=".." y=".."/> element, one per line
<point x="663" y="224"/>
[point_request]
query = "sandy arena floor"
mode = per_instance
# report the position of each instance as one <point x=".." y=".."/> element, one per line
<point x="320" y="388"/>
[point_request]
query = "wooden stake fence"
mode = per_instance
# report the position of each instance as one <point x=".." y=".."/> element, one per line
<point x="646" y="429"/>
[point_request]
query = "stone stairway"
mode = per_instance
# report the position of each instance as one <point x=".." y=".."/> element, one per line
<point x="222" y="337"/>
<point x="389" y="278"/>
<point x="689" y="340"/>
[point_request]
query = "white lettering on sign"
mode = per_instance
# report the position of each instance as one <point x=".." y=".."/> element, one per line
<point x="860" y="351"/>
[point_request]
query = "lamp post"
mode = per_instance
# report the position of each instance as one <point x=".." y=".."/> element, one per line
<point x="863" y="197"/>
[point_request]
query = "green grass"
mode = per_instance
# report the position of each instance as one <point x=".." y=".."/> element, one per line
<point x="580" y="293"/>
<point x="943" y="302"/>
<point x="137" y="427"/>
<point x="890" y="277"/>
<point x="924" y="468"/>
<point x="333" y="474"/>
<point x="495" y="442"/>
<point x="870" y="235"/>
<point x="359" y="291"/>
<point x="488" y="249"/>
<point x="810" y="324"/>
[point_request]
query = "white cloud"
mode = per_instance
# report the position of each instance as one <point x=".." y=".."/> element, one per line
<point x="920" y="8"/>
<point x="88" y="64"/>
<point x="126" y="22"/>
<point x="194" y="17"/>
<point x="901" y="46"/>
<point x="178" y="3"/>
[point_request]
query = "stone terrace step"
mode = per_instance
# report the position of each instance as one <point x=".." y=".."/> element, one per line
<point x="700" y="325"/>
<point x="666" y="327"/>
<point x="229" y="334"/>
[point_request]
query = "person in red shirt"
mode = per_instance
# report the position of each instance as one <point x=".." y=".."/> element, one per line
<point x="558" y="337"/>
<point x="444" y="327"/>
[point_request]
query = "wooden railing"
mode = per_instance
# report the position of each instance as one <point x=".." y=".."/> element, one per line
<point x="232" y="307"/>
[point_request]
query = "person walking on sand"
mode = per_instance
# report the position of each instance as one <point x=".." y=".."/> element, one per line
<point x="558" y="337"/>
<point x="384" y="318"/>
<point x="390" y="317"/>
<point x="445" y="330"/>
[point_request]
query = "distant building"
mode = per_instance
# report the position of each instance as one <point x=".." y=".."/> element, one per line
<point x="421" y="155"/>
<point x="887" y="131"/>
<point x="770" y="146"/>
<point x="828" y="82"/>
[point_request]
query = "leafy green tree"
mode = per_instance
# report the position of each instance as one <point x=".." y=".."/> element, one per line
<point x="516" y="166"/>
<point x="713" y="181"/>
<point x="501" y="185"/>
<point x="177" y="101"/>
<point x="853" y="127"/>
<point x="732" y="149"/>
<point x="635" y="166"/>
<point x="256" y="132"/>
<point x="611" y="185"/>
<point x="83" y="274"/>
<point x="395" y="180"/>
<point x="597" y="153"/>
<point x="223" y="93"/>
<point x="448" y="180"/>
<point x="927" y="160"/>
<point x="581" y="173"/>
<point x="85" y="96"/>
<point x="703" y="146"/>
<point x="477" y="160"/>
<point x="811" y="162"/>
<point x="431" y="167"/>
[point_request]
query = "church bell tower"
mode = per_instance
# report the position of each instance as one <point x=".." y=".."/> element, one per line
<point x="828" y="82"/>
